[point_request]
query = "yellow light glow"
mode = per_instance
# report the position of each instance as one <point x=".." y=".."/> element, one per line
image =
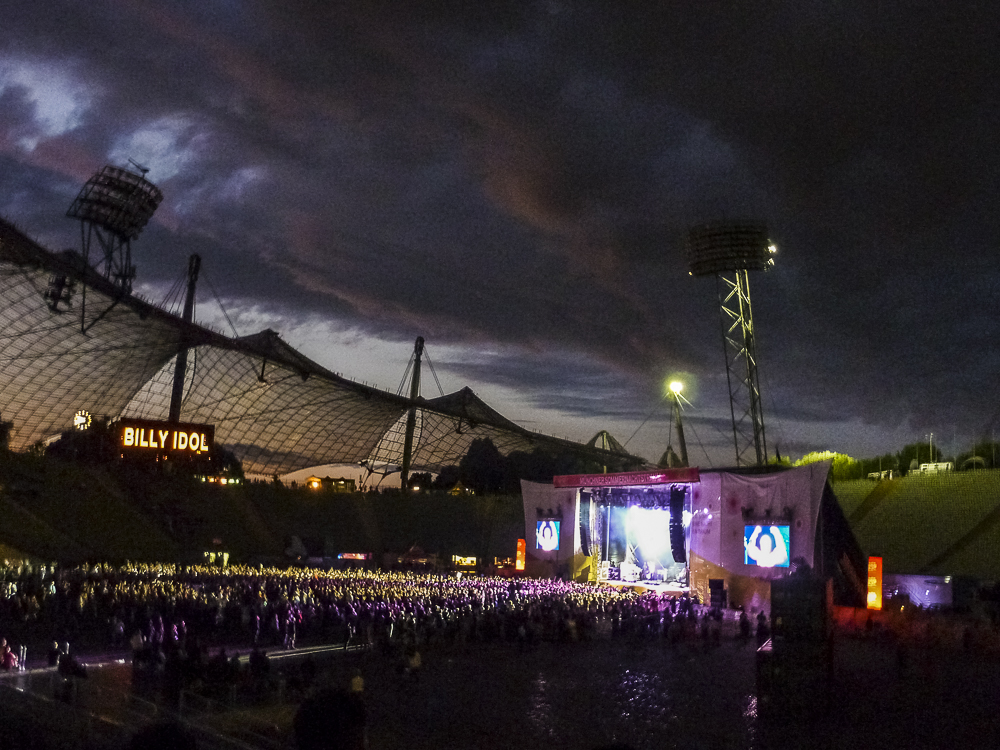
<point x="679" y="385"/>
<point x="874" y="600"/>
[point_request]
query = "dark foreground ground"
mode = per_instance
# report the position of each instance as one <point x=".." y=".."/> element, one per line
<point x="644" y="695"/>
<point x="593" y="695"/>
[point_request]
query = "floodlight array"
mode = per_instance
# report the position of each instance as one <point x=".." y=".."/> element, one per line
<point x="117" y="200"/>
<point x="719" y="248"/>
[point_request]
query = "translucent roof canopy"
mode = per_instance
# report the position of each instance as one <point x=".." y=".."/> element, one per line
<point x="69" y="341"/>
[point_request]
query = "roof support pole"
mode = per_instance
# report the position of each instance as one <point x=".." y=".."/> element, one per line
<point x="411" y="417"/>
<point x="679" y="424"/>
<point x="180" y="369"/>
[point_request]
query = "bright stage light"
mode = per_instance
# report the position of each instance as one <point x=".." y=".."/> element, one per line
<point x="650" y="527"/>
<point x="676" y="387"/>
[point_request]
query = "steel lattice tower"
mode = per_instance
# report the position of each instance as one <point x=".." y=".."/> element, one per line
<point x="730" y="251"/>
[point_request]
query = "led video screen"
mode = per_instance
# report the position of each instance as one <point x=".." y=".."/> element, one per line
<point x="766" y="546"/>
<point x="547" y="536"/>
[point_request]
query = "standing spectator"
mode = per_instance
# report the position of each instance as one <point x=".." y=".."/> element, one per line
<point x="763" y="631"/>
<point x="744" y="626"/>
<point x="8" y="660"/>
<point x="138" y="644"/>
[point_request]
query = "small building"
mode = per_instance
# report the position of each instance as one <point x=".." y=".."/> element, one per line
<point x="330" y="484"/>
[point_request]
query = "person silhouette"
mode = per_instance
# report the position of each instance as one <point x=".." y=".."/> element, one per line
<point x="547" y="538"/>
<point x="767" y="550"/>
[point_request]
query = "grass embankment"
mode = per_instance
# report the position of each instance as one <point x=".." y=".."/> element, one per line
<point x="61" y="510"/>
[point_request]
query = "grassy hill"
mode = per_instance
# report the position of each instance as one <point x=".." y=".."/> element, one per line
<point x="939" y="524"/>
<point x="53" y="509"/>
<point x="465" y="525"/>
<point x="70" y="511"/>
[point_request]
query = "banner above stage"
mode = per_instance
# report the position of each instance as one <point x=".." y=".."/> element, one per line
<point x="627" y="479"/>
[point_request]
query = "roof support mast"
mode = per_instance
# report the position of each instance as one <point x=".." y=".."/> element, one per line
<point x="180" y="368"/>
<point x="411" y="417"/>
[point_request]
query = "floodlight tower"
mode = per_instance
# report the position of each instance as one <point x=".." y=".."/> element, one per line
<point x="730" y="251"/>
<point x="113" y="207"/>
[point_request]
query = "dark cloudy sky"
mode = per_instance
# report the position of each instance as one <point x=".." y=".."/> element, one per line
<point x="514" y="181"/>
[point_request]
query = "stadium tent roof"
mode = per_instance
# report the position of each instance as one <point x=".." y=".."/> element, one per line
<point x="113" y="354"/>
<point x="55" y="363"/>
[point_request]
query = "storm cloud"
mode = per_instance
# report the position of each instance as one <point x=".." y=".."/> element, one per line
<point x="514" y="181"/>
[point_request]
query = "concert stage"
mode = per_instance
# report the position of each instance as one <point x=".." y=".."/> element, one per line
<point x="644" y="587"/>
<point x="727" y="534"/>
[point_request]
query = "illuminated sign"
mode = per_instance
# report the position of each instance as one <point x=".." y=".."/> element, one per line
<point x="628" y="478"/>
<point x="81" y="420"/>
<point x="874" y="583"/>
<point x="463" y="561"/>
<point x="136" y="436"/>
<point x="352" y="556"/>
<point x="522" y="551"/>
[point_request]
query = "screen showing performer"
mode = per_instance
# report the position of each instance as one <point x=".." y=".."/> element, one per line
<point x="547" y="536"/>
<point x="766" y="546"/>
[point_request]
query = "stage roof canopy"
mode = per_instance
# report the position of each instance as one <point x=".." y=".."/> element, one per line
<point x="70" y="340"/>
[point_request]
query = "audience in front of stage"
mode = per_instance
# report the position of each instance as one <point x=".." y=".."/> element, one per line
<point x="158" y="608"/>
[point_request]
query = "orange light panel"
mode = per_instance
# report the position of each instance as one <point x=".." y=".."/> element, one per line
<point x="874" y="583"/>
<point x="522" y="551"/>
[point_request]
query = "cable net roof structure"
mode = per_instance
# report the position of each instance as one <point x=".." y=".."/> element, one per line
<point x="56" y="359"/>
<point x="70" y="340"/>
<point x="275" y="409"/>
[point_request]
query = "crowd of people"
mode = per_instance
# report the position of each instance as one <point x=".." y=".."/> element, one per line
<point x="184" y="621"/>
<point x="148" y="608"/>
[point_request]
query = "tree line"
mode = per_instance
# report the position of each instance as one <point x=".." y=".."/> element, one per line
<point x="983" y="455"/>
<point x="484" y="469"/>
